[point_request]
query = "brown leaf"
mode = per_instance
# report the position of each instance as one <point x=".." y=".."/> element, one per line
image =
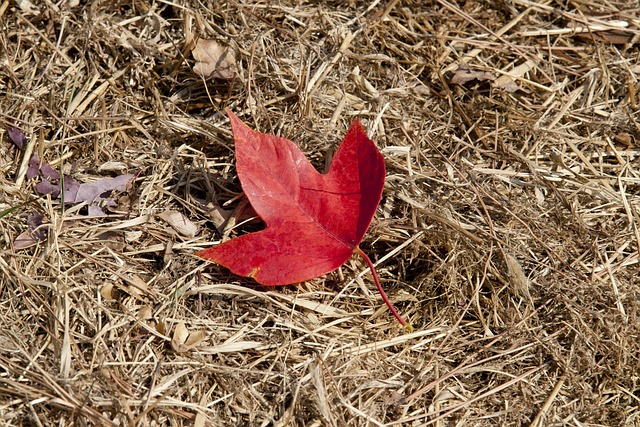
<point x="180" y="334"/>
<point x="179" y="222"/>
<point x="465" y="75"/>
<point x="214" y="60"/>
<point x="108" y="292"/>
<point x="35" y="233"/>
<point x="611" y="36"/>
<point x="625" y="139"/>
<point x="145" y="313"/>
<point x="184" y="341"/>
<point x="195" y="338"/>
<point x="136" y="287"/>
<point x="161" y="327"/>
<point x="218" y="215"/>
<point x="24" y="240"/>
<point x="27" y="7"/>
<point x="519" y="281"/>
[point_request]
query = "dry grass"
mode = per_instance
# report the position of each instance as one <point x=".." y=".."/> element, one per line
<point x="507" y="234"/>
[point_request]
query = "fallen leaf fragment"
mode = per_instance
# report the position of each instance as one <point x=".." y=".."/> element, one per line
<point x="136" y="286"/>
<point x="519" y="281"/>
<point x="132" y="236"/>
<point x="145" y="312"/>
<point x="161" y="327"/>
<point x="183" y="341"/>
<point x="507" y="81"/>
<point x="108" y="292"/>
<point x="625" y="139"/>
<point x="179" y="222"/>
<point x="614" y="32"/>
<point x="465" y="75"/>
<point x="46" y="187"/>
<point x="218" y="215"/>
<point x="180" y="335"/>
<point x="112" y="167"/>
<point x="34" y="234"/>
<point x="95" y="191"/>
<point x="17" y="137"/>
<point x="49" y="172"/>
<point x="24" y="240"/>
<point x="34" y="220"/>
<point x="314" y="222"/>
<point x="214" y="60"/>
<point x="42" y="169"/>
<point x="27" y="7"/>
<point x="93" y="210"/>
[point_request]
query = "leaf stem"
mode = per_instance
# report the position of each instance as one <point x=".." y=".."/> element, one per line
<point x="406" y="325"/>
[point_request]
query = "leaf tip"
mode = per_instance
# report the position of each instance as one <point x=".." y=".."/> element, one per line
<point x="356" y="126"/>
<point x="232" y="116"/>
<point x="207" y="254"/>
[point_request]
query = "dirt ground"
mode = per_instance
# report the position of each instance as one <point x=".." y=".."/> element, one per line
<point x="507" y="233"/>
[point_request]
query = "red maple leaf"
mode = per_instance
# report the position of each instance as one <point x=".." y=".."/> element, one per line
<point x="314" y="222"/>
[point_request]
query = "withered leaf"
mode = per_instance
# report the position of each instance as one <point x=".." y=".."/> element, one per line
<point x="214" y="60"/>
<point x="465" y="75"/>
<point x="95" y="191"/>
<point x="34" y="234"/>
<point x="179" y="223"/>
<point x="17" y="137"/>
<point x="183" y="341"/>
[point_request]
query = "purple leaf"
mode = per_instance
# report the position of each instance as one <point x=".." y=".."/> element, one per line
<point x="46" y="187"/>
<point x="34" y="221"/>
<point x="96" y="191"/>
<point x="34" y="167"/>
<point x="94" y="210"/>
<point x="18" y="138"/>
<point x="48" y="172"/>
<point x="71" y="187"/>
